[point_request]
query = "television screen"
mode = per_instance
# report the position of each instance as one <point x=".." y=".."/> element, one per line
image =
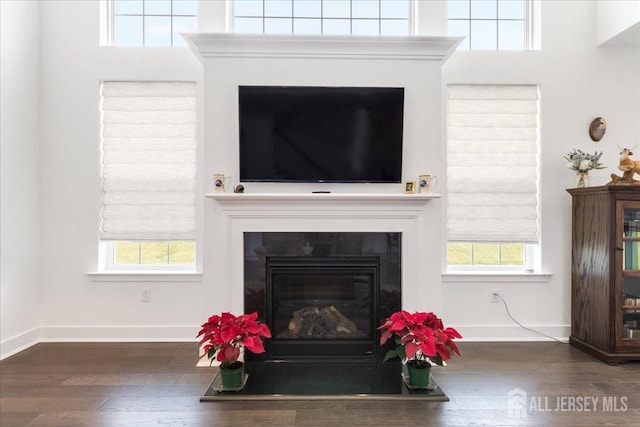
<point x="320" y="134"/>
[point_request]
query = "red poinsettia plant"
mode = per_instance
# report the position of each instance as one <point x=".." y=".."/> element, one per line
<point x="421" y="338"/>
<point x="223" y="336"/>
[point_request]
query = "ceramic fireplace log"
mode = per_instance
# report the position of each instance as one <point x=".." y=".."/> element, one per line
<point x="314" y="323"/>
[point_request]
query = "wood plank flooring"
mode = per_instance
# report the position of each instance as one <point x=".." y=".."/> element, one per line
<point x="158" y="384"/>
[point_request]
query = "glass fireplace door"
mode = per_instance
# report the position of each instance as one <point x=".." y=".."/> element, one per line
<point x="322" y="306"/>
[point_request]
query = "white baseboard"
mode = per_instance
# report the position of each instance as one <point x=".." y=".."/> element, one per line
<point x="18" y="343"/>
<point x="119" y="333"/>
<point x="23" y="341"/>
<point x="513" y="332"/>
<point x="30" y="338"/>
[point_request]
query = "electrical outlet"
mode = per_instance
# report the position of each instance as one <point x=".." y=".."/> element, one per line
<point x="146" y="295"/>
<point x="495" y="295"/>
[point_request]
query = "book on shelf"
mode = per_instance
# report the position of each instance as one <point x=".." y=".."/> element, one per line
<point x="631" y="333"/>
<point x="631" y="302"/>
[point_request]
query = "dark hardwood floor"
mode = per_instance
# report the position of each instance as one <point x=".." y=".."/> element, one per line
<point x="158" y="384"/>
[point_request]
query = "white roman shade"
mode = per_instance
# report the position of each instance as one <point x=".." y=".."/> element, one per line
<point x="492" y="163"/>
<point x="148" y="161"/>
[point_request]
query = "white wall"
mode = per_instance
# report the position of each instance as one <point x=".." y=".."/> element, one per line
<point x="578" y="82"/>
<point x="19" y="247"/>
<point x="72" y="68"/>
<point x="615" y="18"/>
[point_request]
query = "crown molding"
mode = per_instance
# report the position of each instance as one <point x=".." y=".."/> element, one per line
<point x="233" y="45"/>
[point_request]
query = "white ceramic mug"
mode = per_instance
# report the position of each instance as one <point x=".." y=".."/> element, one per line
<point x="426" y="183"/>
<point x="220" y="182"/>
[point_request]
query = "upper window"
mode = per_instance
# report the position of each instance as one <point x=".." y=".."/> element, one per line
<point x="336" y="17"/>
<point x="492" y="176"/>
<point x="150" y="22"/>
<point x="492" y="24"/>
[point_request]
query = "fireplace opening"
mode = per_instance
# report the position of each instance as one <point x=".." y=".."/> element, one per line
<point x="322" y="306"/>
<point x="322" y="294"/>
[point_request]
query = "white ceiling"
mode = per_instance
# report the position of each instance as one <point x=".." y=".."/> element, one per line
<point x="629" y="37"/>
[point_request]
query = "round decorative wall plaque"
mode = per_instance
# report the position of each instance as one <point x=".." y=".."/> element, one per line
<point x="597" y="129"/>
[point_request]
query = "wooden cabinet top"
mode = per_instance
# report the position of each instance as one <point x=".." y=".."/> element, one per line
<point x="622" y="190"/>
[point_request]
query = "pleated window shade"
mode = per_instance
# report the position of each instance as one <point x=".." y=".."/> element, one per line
<point x="492" y="163"/>
<point x="148" y="161"/>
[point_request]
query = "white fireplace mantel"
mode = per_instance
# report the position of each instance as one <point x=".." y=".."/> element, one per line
<point x="415" y="216"/>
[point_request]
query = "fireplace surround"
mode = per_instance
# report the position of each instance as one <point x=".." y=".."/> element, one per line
<point x="415" y="218"/>
<point x="322" y="294"/>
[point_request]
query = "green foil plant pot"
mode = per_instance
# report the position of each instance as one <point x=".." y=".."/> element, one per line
<point x="232" y="376"/>
<point x="418" y="374"/>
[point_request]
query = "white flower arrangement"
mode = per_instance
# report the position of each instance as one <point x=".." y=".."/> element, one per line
<point x="582" y="162"/>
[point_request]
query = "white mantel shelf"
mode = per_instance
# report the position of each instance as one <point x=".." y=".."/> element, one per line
<point x="321" y="197"/>
<point x="380" y="197"/>
<point x="325" y="207"/>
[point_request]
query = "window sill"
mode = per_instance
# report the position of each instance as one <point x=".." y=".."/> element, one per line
<point x="145" y="276"/>
<point x="495" y="276"/>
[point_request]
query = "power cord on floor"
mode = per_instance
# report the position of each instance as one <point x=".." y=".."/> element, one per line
<point x="504" y="302"/>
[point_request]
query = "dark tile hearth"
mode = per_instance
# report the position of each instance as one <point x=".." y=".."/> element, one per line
<point x="309" y="380"/>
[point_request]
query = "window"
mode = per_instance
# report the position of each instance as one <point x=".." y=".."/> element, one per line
<point x="148" y="174"/>
<point x="358" y="17"/>
<point x="488" y="255"/>
<point x="492" y="175"/>
<point x="172" y="253"/>
<point x="492" y="24"/>
<point x="149" y="22"/>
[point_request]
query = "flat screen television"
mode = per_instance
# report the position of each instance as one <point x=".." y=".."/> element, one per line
<point x="320" y="134"/>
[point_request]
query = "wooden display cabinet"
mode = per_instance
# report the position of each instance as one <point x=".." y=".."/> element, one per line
<point x="605" y="273"/>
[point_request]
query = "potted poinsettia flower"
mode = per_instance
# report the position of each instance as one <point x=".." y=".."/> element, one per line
<point x="223" y="338"/>
<point x="421" y="340"/>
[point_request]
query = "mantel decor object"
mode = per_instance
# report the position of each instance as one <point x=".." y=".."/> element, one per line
<point x="409" y="187"/>
<point x="220" y="182"/>
<point x="426" y="183"/>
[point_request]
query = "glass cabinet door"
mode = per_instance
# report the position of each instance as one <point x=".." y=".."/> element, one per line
<point x="630" y="284"/>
